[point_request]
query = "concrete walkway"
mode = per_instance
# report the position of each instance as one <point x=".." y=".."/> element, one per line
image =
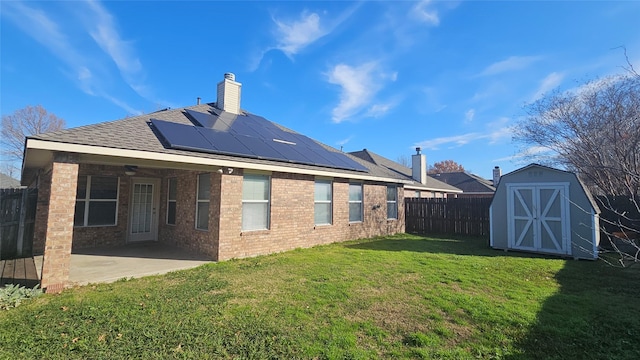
<point x="101" y="265"/>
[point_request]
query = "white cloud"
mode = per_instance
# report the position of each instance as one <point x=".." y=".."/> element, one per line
<point x="35" y="23"/>
<point x="539" y="153"/>
<point x="296" y="35"/>
<point x="81" y="67"/>
<point x="292" y="36"/>
<point x="344" y="141"/>
<point x="103" y="30"/>
<point x="469" y="115"/>
<point x="359" y="86"/>
<point x="547" y="84"/>
<point x="378" y="110"/>
<point x="498" y="130"/>
<point x="512" y="63"/>
<point x="424" y="12"/>
<point x="454" y="141"/>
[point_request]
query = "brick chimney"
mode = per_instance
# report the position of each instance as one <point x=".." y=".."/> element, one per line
<point x="229" y="94"/>
<point x="497" y="174"/>
<point x="419" y="167"/>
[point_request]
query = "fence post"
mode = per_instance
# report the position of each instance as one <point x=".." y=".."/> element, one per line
<point x="23" y="212"/>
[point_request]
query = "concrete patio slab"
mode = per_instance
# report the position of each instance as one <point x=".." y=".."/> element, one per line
<point x="109" y="264"/>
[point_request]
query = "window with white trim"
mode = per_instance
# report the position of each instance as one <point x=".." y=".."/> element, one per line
<point x="96" y="201"/>
<point x="355" y="203"/>
<point x="202" y="201"/>
<point x="392" y="202"/>
<point x="172" y="187"/>
<point x="255" y="202"/>
<point x="322" y="202"/>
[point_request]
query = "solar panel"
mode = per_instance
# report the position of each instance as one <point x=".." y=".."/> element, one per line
<point x="224" y="142"/>
<point x="260" y="148"/>
<point x="251" y="136"/>
<point x="179" y="136"/>
<point x="201" y="119"/>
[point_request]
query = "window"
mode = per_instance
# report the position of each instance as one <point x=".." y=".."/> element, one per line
<point x="255" y="202"/>
<point x="322" y="204"/>
<point x="171" y="201"/>
<point x="392" y="202"/>
<point x="355" y="202"/>
<point x="202" y="201"/>
<point x="96" y="201"/>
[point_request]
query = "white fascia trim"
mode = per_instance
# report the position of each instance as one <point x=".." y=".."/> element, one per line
<point x="148" y="155"/>
<point x="426" y="188"/>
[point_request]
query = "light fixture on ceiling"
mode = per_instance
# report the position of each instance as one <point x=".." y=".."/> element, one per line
<point x="130" y="170"/>
<point x="230" y="170"/>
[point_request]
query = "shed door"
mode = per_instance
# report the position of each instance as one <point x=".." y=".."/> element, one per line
<point x="538" y="218"/>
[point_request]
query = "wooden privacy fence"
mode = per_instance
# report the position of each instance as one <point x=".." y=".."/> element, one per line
<point x="453" y="216"/>
<point x="17" y="219"/>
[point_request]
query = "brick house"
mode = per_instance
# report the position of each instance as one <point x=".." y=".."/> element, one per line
<point x="425" y="185"/>
<point x="210" y="178"/>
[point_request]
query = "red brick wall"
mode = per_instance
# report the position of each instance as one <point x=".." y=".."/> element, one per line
<point x="184" y="233"/>
<point x="59" y="231"/>
<point x="95" y="236"/>
<point x="292" y="216"/>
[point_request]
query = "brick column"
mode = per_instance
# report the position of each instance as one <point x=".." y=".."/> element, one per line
<point x="59" y="233"/>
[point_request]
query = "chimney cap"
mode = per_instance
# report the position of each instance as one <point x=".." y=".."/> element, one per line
<point x="418" y="149"/>
<point x="230" y="76"/>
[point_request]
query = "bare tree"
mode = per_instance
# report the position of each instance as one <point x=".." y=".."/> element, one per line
<point x="445" y="166"/>
<point x="24" y="122"/>
<point x="595" y="132"/>
<point x="404" y="160"/>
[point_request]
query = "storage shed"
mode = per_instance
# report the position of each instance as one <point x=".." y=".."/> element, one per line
<point x="544" y="210"/>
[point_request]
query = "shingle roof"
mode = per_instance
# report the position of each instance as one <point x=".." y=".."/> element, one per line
<point x="467" y="182"/>
<point x="135" y="133"/>
<point x="399" y="169"/>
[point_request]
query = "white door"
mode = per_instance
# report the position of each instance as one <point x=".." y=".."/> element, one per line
<point x="538" y="218"/>
<point x="143" y="214"/>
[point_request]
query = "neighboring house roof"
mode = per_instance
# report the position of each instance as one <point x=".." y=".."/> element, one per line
<point x="7" y="182"/>
<point x="431" y="185"/>
<point x="467" y="182"/>
<point x="133" y="140"/>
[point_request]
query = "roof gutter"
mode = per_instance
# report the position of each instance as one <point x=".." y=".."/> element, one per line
<point x="426" y="187"/>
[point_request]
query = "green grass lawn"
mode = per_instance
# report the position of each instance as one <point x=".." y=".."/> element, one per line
<point x="395" y="297"/>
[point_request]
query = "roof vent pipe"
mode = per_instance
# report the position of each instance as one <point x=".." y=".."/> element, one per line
<point x="198" y="101"/>
<point x="497" y="174"/>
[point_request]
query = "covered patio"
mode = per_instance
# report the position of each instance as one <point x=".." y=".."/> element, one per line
<point x="109" y="264"/>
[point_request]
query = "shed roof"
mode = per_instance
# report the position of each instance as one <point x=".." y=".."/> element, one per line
<point x="583" y="187"/>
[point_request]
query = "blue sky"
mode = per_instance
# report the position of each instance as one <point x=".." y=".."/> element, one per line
<point x="449" y="76"/>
